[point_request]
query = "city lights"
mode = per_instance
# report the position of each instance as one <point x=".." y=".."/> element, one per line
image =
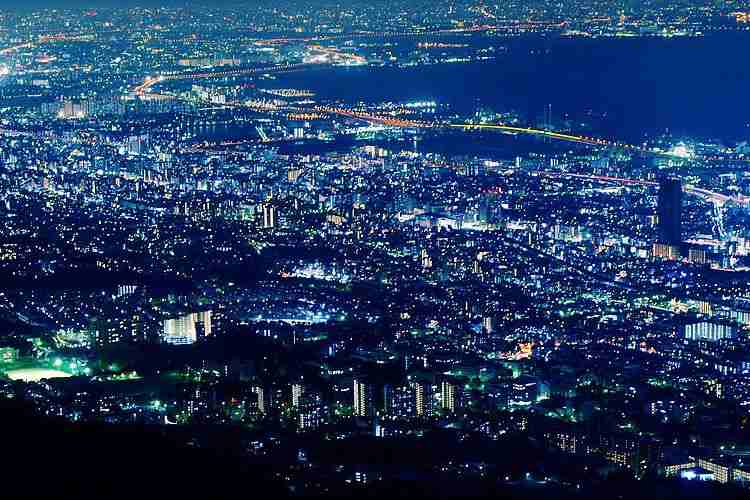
<point x="398" y="248"/>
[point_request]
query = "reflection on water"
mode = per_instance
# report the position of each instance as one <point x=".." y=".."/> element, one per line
<point x="624" y="87"/>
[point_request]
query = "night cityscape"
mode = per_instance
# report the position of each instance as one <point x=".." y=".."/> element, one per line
<point x="423" y="248"/>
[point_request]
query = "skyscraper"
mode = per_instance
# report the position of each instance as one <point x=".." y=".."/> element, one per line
<point x="309" y="408"/>
<point x="311" y="412"/>
<point x="670" y="211"/>
<point x="297" y="392"/>
<point x="449" y="395"/>
<point x="259" y="393"/>
<point x="269" y="216"/>
<point x="423" y="398"/>
<point x="362" y="398"/>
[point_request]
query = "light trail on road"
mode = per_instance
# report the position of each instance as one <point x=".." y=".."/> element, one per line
<point x="710" y="196"/>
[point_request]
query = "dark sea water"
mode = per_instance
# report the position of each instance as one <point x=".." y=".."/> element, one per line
<point x="624" y="88"/>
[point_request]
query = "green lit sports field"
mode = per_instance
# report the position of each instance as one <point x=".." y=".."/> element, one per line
<point x="35" y="374"/>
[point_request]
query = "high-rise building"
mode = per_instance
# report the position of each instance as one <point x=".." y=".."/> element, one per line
<point x="709" y="331"/>
<point x="635" y="453"/>
<point x="179" y="330"/>
<point x="261" y="400"/>
<point x="187" y="329"/>
<point x="362" y="398"/>
<point x="398" y="401"/>
<point x="423" y="398"/>
<point x="203" y="325"/>
<point x="670" y="212"/>
<point x="665" y="251"/>
<point x="269" y="216"/>
<point x="720" y="471"/>
<point x="297" y="391"/>
<point x="698" y="256"/>
<point x="307" y="405"/>
<point x="450" y="395"/>
<point x="129" y="329"/>
<point x="311" y="412"/>
<point x="72" y="110"/>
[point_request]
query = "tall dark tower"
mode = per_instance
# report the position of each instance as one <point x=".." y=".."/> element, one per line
<point x="670" y="211"/>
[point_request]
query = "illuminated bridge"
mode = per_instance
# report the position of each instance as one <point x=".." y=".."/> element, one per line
<point x="150" y="82"/>
<point x="718" y="199"/>
<point x="370" y="118"/>
<point x="579" y="139"/>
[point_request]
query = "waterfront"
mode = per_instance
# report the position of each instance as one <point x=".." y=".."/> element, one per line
<point x="627" y="88"/>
